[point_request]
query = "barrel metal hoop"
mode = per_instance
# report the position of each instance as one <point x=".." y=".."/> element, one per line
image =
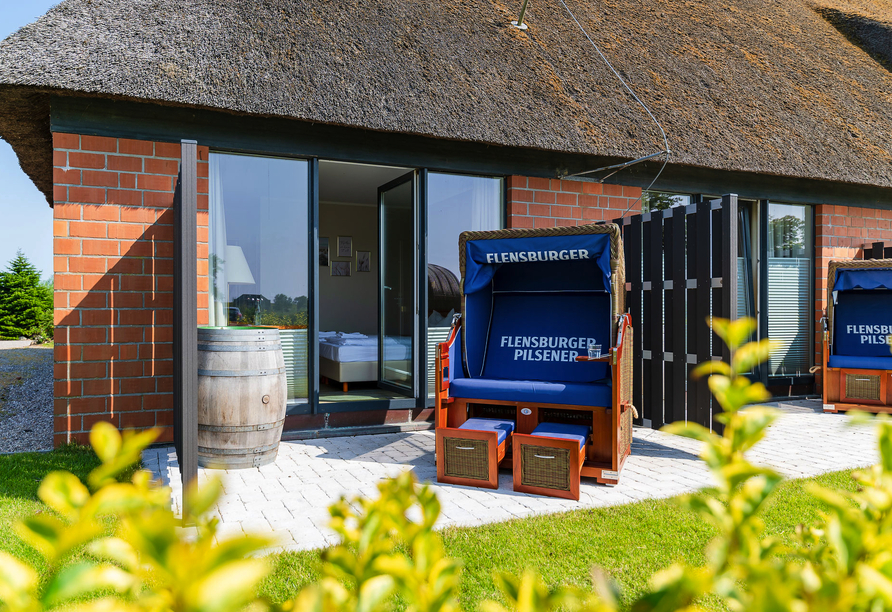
<point x="240" y="428"/>
<point x="235" y="373"/>
<point x="234" y="333"/>
<point x="234" y="338"/>
<point x="239" y="348"/>
<point x="238" y="451"/>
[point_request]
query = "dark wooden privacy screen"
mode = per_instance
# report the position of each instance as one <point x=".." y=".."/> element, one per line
<point x="877" y="250"/>
<point x="681" y="270"/>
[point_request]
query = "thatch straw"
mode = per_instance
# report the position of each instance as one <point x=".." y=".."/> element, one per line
<point x="741" y="85"/>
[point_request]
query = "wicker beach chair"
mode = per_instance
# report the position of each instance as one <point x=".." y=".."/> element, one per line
<point x="857" y="332"/>
<point x="532" y="301"/>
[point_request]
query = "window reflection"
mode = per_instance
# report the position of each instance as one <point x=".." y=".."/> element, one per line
<point x="257" y="252"/>
<point x="789" y="288"/>
<point x="456" y="204"/>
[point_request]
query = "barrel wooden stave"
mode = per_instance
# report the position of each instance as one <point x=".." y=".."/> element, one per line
<point x="242" y="392"/>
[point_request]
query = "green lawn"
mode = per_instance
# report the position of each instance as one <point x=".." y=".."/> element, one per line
<point x="20" y="475"/>
<point x="630" y="542"/>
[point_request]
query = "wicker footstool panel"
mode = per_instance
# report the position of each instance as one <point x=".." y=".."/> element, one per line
<point x="466" y="458"/>
<point x="863" y="386"/>
<point x="470" y="458"/>
<point x="545" y="467"/>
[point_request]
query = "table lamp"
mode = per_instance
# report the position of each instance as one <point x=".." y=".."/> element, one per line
<point x="237" y="270"/>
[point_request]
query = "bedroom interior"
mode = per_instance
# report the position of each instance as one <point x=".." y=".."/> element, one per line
<point x="348" y="303"/>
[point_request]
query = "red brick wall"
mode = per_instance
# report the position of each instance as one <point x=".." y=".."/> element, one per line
<point x="842" y="232"/>
<point x="541" y="202"/>
<point x="113" y="264"/>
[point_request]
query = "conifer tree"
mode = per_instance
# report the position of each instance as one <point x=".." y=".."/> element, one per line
<point x="26" y="303"/>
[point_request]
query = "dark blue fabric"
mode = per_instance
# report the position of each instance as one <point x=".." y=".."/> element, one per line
<point x="875" y="278"/>
<point x="860" y="363"/>
<point x="863" y="323"/>
<point x="580" y="433"/>
<point x="581" y="275"/>
<point x="455" y="362"/>
<point x="538" y="336"/>
<point x="476" y="317"/>
<point x="500" y="426"/>
<point x="534" y="391"/>
<point x="484" y="257"/>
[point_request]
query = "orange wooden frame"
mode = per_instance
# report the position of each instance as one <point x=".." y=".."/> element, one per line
<point x="577" y="458"/>
<point x="603" y="456"/>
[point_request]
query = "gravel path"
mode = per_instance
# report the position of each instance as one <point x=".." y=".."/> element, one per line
<point x="26" y="400"/>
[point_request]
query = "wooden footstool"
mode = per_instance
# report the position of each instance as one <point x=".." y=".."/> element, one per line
<point x="549" y="460"/>
<point x="470" y="454"/>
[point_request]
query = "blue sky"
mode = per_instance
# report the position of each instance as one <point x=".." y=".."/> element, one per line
<point x="26" y="220"/>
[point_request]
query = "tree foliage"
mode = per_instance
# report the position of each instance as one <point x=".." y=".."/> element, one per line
<point x="26" y="303"/>
<point x="658" y="200"/>
<point x="787" y="236"/>
<point x="390" y="556"/>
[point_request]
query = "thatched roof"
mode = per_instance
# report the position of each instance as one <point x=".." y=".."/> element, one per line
<point x="747" y="85"/>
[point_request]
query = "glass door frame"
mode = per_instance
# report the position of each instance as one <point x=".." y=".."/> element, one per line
<point x="413" y="178"/>
<point x="314" y="407"/>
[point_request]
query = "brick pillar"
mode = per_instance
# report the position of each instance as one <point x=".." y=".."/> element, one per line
<point x="539" y="202"/>
<point x="113" y="264"/>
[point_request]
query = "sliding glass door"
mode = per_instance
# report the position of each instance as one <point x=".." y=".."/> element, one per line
<point x="397" y="288"/>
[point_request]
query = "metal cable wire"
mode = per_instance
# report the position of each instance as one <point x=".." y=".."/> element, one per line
<point x="666" y="150"/>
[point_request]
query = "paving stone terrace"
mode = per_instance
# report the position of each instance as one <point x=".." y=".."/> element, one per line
<point x="290" y="497"/>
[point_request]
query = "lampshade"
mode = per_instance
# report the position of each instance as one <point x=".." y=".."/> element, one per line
<point x="237" y="270"/>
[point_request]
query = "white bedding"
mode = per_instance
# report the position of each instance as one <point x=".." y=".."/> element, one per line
<point x="352" y="349"/>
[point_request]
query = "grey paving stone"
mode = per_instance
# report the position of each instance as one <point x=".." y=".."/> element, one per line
<point x="290" y="498"/>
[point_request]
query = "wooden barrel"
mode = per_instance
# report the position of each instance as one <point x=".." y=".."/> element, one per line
<point x="241" y="396"/>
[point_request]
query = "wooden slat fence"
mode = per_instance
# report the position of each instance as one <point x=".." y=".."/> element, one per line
<point x="878" y="250"/>
<point x="677" y="263"/>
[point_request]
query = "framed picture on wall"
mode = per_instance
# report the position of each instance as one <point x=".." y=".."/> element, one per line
<point x="340" y="268"/>
<point x="323" y="251"/>
<point x="363" y="261"/>
<point x="345" y="246"/>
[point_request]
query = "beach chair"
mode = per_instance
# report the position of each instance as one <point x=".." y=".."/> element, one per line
<point x="857" y="331"/>
<point x="532" y="303"/>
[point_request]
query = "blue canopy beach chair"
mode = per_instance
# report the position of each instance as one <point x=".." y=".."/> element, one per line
<point x="857" y="336"/>
<point x="516" y="362"/>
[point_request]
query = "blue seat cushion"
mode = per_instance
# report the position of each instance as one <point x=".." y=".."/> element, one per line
<point x="501" y="426"/>
<point x="856" y="362"/>
<point x="533" y="391"/>
<point x="565" y="431"/>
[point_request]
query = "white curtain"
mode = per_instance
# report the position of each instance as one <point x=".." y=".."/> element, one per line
<point x="217" y="248"/>
<point x="485" y="204"/>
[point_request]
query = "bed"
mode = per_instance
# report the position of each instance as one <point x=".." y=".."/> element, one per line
<point x="352" y="357"/>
